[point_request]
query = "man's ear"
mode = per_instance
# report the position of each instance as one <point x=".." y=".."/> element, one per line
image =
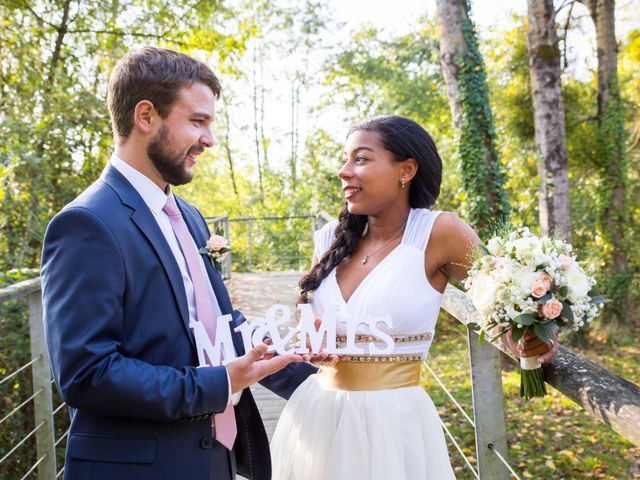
<point x="409" y="169"/>
<point x="144" y="116"/>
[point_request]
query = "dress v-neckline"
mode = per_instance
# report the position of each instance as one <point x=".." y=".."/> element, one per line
<point x="373" y="270"/>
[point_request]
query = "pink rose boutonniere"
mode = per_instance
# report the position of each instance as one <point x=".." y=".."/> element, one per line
<point x="217" y="248"/>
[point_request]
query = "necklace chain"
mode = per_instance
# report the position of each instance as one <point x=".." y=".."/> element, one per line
<point x="365" y="259"/>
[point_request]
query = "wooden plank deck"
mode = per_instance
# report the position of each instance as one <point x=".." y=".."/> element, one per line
<point x="253" y="293"/>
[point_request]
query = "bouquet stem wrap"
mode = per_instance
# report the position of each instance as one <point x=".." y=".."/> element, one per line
<point x="531" y="378"/>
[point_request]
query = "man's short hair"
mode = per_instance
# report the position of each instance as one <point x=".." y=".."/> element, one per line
<point x="153" y="74"/>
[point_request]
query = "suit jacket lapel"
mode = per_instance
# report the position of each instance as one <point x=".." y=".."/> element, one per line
<point x="146" y="223"/>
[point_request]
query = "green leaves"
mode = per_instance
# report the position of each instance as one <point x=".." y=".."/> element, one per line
<point x="545" y="299"/>
<point x="567" y="313"/>
<point x="599" y="299"/>
<point x="517" y="333"/>
<point x="524" y="319"/>
<point x="545" y="331"/>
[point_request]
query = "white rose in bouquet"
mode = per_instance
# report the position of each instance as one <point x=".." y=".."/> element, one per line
<point x="525" y="248"/>
<point x="525" y="279"/>
<point x="578" y="282"/>
<point x="515" y="309"/>
<point x="502" y="269"/>
<point x="495" y="246"/>
<point x="483" y="292"/>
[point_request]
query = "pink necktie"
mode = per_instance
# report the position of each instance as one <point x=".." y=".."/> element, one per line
<point x="224" y="423"/>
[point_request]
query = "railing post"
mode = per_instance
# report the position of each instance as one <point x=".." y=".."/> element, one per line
<point x="43" y="402"/>
<point x="227" y="261"/>
<point x="249" y="245"/>
<point x="488" y="409"/>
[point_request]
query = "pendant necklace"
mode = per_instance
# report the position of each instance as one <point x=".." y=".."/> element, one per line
<point x="365" y="259"/>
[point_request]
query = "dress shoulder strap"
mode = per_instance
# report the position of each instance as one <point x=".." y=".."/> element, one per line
<point x="323" y="239"/>
<point x="419" y="227"/>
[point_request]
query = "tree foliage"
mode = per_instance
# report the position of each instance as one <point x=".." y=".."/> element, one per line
<point x="55" y="58"/>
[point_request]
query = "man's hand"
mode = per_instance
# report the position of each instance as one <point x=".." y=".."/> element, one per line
<point x="530" y="345"/>
<point x="322" y="356"/>
<point x="255" y="365"/>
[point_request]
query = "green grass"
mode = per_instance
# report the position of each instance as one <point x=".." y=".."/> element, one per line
<point x="548" y="438"/>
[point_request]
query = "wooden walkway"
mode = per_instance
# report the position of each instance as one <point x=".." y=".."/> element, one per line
<point x="253" y="293"/>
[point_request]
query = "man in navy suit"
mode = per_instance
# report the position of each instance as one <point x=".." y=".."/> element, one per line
<point x="119" y="294"/>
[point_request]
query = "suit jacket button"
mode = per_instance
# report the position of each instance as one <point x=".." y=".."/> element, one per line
<point x="205" y="442"/>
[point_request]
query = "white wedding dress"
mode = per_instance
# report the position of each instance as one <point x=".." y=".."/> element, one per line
<point x="331" y="433"/>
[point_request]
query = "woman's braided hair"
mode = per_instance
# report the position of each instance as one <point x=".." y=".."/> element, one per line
<point x="405" y="139"/>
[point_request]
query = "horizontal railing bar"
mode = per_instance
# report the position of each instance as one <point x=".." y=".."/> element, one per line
<point x="24" y="439"/>
<point x="34" y="360"/>
<point x="251" y="219"/>
<point x="325" y="216"/>
<point x="20" y="289"/>
<point x="60" y="472"/>
<point x="211" y="220"/>
<point x="34" y="466"/>
<point x="276" y="258"/>
<point x="473" y="424"/>
<point x="504" y="462"/>
<point x="455" y="444"/>
<point x="64" y="435"/>
<point x="13" y="412"/>
<point x="220" y="218"/>
<point x="605" y="396"/>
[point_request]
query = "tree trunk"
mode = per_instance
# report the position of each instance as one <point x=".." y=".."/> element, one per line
<point x="452" y="47"/>
<point x="464" y="73"/>
<point x="612" y="138"/>
<point x="548" y="107"/>
<point x="263" y="139"/>
<point x="256" y="119"/>
<point x="295" y="108"/>
<point x="227" y="147"/>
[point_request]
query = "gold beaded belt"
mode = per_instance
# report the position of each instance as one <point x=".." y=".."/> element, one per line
<point x="371" y="375"/>
<point x="417" y="337"/>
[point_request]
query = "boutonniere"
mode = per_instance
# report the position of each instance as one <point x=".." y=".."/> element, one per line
<point x="217" y="248"/>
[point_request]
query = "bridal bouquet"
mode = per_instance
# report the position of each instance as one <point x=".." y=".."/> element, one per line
<point x="523" y="283"/>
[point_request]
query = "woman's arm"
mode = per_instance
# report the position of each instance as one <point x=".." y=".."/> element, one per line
<point x="456" y="243"/>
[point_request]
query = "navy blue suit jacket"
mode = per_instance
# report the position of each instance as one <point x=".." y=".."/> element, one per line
<point x="122" y="353"/>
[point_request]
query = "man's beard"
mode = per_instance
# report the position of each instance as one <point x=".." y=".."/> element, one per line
<point x="169" y="163"/>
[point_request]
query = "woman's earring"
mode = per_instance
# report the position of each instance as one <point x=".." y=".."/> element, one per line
<point x="402" y="182"/>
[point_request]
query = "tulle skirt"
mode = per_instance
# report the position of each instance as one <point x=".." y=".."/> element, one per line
<point x="326" y="434"/>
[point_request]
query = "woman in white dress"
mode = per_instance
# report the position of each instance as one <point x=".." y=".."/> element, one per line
<point x="366" y="417"/>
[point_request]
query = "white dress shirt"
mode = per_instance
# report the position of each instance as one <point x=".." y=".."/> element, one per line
<point x="155" y="198"/>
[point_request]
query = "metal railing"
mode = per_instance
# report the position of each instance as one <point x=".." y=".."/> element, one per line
<point x="269" y="243"/>
<point x="41" y="398"/>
